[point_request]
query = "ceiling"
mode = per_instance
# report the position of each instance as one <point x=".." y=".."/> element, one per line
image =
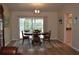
<point x="33" y="6"/>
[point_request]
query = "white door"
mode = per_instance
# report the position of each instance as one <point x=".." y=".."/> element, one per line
<point x="68" y="29"/>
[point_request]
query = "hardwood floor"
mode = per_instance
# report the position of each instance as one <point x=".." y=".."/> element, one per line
<point x="55" y="48"/>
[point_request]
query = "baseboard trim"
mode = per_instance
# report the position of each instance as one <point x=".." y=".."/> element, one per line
<point x="15" y="39"/>
<point x="61" y="41"/>
<point x="75" y="49"/>
<point x="50" y="38"/>
<point x="53" y="38"/>
<point x="7" y="43"/>
<point x="70" y="46"/>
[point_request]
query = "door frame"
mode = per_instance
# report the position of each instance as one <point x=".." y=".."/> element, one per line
<point x="65" y="33"/>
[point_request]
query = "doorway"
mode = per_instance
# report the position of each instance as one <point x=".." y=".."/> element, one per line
<point x="68" y="29"/>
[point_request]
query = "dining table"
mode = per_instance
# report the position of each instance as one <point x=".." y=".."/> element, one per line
<point x="32" y="33"/>
<point x="36" y="37"/>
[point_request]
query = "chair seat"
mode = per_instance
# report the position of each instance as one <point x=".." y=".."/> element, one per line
<point x="25" y="37"/>
<point x="47" y="36"/>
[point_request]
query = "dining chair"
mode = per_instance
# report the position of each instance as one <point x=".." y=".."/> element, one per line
<point x="36" y="39"/>
<point x="25" y="37"/>
<point x="47" y="36"/>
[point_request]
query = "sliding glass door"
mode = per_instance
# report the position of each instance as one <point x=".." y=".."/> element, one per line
<point x="30" y="23"/>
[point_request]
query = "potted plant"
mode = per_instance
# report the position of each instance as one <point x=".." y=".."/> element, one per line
<point x="37" y="31"/>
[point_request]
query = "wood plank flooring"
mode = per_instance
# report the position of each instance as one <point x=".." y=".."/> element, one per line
<point x="55" y="48"/>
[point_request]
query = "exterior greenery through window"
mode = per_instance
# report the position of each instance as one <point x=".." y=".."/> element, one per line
<point x="31" y="24"/>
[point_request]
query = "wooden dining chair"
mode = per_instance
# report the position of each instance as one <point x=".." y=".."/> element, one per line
<point x="25" y="37"/>
<point x="47" y="36"/>
<point x="36" y="39"/>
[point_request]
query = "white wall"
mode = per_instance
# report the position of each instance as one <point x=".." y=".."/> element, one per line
<point x="7" y="30"/>
<point x="74" y="9"/>
<point x="50" y="22"/>
<point x="61" y="26"/>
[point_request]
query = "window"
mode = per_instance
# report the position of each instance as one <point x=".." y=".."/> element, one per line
<point x="31" y="23"/>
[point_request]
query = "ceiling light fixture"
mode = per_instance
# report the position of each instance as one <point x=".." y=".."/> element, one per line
<point x="37" y="11"/>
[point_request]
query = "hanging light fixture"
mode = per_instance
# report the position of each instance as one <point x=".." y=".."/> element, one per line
<point x="37" y="11"/>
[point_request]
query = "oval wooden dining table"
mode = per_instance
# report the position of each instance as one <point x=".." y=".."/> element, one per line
<point x="36" y="37"/>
